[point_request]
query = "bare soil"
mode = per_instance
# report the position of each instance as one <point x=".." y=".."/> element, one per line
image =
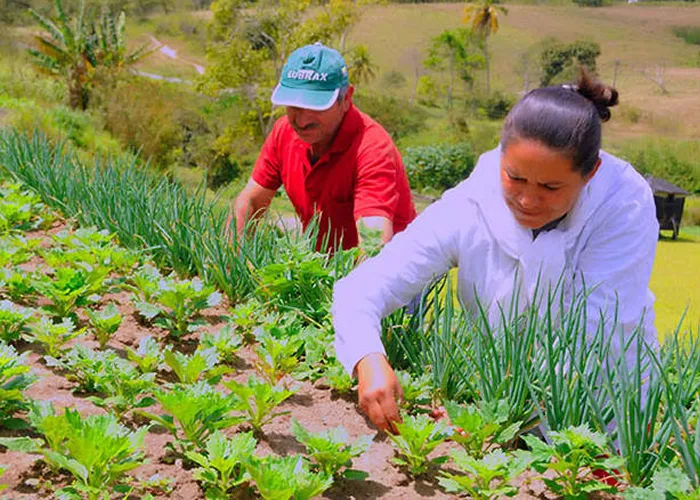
<point x="27" y="477"/>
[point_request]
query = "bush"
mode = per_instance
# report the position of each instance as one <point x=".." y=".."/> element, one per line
<point x="397" y="116"/>
<point x="226" y="169"/>
<point x="589" y="3"/>
<point x="497" y="105"/>
<point x="691" y="34"/>
<point x="439" y="167"/>
<point x="673" y="160"/>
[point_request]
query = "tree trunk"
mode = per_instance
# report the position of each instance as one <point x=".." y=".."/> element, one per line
<point x="487" y="68"/>
<point x="452" y="79"/>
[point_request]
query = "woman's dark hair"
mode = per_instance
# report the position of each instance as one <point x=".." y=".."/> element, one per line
<point x="565" y="118"/>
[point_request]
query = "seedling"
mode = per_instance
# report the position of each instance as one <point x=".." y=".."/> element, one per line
<point x="71" y="288"/>
<point x="257" y="400"/>
<point x="279" y="478"/>
<point x="16" y="249"/>
<point x="120" y="387"/>
<point x="176" y="304"/>
<point x="148" y="357"/>
<point x="189" y="369"/>
<point x="105" y="323"/>
<point x="226" y="341"/>
<point x="417" y="391"/>
<point x="667" y="482"/>
<point x="574" y="453"/>
<point x="487" y="477"/>
<point x="13" y="319"/>
<point x="95" y="449"/>
<point x="276" y="357"/>
<point x="52" y="336"/>
<point x="331" y="450"/>
<point x="15" y="377"/>
<point x="417" y="437"/>
<point x="338" y="379"/>
<point x="221" y="466"/>
<point x="195" y="412"/>
<point x="481" y="428"/>
<point x="17" y="285"/>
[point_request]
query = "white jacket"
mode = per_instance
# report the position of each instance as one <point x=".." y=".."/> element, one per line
<point x="608" y="239"/>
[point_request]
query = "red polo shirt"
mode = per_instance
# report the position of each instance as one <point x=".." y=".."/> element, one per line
<point x="361" y="175"/>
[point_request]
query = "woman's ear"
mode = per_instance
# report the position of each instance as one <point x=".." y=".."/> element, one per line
<point x="590" y="174"/>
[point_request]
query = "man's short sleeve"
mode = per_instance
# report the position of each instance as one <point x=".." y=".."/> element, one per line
<point x="267" y="171"/>
<point x="377" y="189"/>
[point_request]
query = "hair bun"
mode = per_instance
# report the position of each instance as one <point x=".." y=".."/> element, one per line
<point x="602" y="96"/>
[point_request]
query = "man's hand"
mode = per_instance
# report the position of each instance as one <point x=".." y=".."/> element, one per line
<point x="378" y="391"/>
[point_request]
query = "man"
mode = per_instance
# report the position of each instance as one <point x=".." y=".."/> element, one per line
<point x="334" y="162"/>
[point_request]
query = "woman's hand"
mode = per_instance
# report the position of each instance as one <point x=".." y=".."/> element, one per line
<point x="378" y="391"/>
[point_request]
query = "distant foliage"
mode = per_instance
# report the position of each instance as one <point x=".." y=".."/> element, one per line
<point x="497" y="105"/>
<point x="439" y="167"/>
<point x="396" y="115"/>
<point x="559" y="61"/>
<point x="673" y="160"/>
<point x="589" y="3"/>
<point x="691" y="34"/>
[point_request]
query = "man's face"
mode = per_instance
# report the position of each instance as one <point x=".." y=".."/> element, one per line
<point x="319" y="127"/>
<point x="539" y="184"/>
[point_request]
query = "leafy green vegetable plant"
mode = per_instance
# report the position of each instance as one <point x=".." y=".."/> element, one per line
<point x="574" y="454"/>
<point x="16" y="249"/>
<point x="481" y="428"/>
<point x="226" y="341"/>
<point x="284" y="478"/>
<point x="15" y="377"/>
<point x="667" y="482"/>
<point x="417" y="437"/>
<point x="338" y="379"/>
<point x="13" y="319"/>
<point x="95" y="449"/>
<point x="148" y="356"/>
<point x="71" y="287"/>
<point x="176" y="304"/>
<point x="331" y="450"/>
<point x="276" y="355"/>
<point x="119" y="385"/>
<point x="416" y="390"/>
<point x="93" y="247"/>
<point x="52" y="336"/>
<point x="201" y="364"/>
<point x="105" y="323"/>
<point x="221" y="466"/>
<point x="257" y="400"/>
<point x="20" y="209"/>
<point x="18" y="285"/>
<point x="194" y="412"/>
<point x="486" y="477"/>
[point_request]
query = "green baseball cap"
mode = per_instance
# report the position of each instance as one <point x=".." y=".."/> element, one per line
<point x="311" y="78"/>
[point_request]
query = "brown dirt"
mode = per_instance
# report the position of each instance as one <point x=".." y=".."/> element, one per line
<point x="317" y="409"/>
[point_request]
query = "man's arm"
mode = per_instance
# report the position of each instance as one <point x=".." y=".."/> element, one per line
<point x="376" y="223"/>
<point x="253" y="201"/>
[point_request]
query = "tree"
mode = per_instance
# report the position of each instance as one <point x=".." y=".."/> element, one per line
<point x="483" y="19"/>
<point x="559" y="61"/>
<point x="453" y="48"/>
<point x="361" y="67"/>
<point x="73" y="48"/>
<point x="248" y="44"/>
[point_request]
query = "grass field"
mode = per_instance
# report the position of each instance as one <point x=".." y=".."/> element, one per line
<point x="675" y="281"/>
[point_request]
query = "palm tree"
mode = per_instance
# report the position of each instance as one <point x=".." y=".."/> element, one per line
<point x="361" y="67"/>
<point x="484" y="22"/>
<point x="73" y="48"/>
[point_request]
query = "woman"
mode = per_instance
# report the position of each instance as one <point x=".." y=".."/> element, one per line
<point x="547" y="203"/>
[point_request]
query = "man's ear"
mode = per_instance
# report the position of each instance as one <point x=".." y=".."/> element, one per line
<point x="348" y="96"/>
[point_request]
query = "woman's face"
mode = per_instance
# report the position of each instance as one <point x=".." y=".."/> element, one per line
<point x="539" y="184"/>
